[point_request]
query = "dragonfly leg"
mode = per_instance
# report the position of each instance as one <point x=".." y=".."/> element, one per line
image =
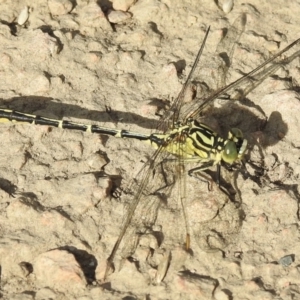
<point x="201" y="176"/>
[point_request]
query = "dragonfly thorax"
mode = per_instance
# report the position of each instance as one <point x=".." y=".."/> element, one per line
<point x="205" y="143"/>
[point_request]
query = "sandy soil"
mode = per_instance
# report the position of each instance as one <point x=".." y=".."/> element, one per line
<point x="58" y="220"/>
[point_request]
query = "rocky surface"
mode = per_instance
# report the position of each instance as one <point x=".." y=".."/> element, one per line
<point x="112" y="64"/>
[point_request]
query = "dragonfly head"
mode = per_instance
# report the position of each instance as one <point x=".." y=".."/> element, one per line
<point x="235" y="146"/>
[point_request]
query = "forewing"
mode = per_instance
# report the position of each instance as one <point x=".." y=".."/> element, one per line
<point x="143" y="196"/>
<point x="209" y="75"/>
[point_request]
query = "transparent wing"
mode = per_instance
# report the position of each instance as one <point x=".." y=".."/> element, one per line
<point x="213" y="73"/>
<point x="154" y="192"/>
<point x="241" y="87"/>
<point x="144" y="196"/>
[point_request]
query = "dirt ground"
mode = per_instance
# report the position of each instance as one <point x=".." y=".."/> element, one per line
<point x="90" y="62"/>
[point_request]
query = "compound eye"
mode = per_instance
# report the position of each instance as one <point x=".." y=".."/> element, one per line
<point x="230" y="153"/>
<point x="236" y="133"/>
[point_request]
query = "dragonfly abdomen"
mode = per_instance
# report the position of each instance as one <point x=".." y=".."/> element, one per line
<point x="194" y="141"/>
<point x="15" y="116"/>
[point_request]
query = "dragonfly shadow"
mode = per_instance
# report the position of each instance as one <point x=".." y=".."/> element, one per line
<point x="52" y="108"/>
<point x="250" y="120"/>
<point x="275" y="129"/>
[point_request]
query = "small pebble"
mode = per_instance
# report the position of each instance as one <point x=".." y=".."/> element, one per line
<point x="221" y="295"/>
<point x="163" y="267"/>
<point x="117" y="16"/>
<point x="286" y="260"/>
<point x="59" y="7"/>
<point x="123" y="4"/>
<point x="39" y="85"/>
<point x="227" y="6"/>
<point x="23" y="16"/>
<point x="91" y="16"/>
<point x="59" y="269"/>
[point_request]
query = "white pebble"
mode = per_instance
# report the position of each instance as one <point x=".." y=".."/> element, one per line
<point x="23" y="16"/>
<point x="162" y="268"/>
<point x="117" y="16"/>
<point x="227" y="6"/>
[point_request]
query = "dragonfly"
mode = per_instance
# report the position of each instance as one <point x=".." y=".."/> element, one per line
<point x="180" y="139"/>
